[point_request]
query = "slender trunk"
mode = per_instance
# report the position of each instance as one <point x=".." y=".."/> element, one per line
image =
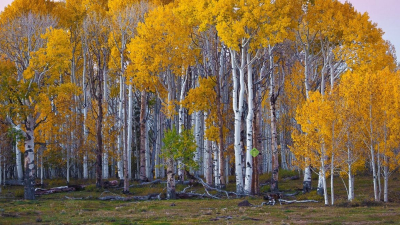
<point x="386" y="180"/>
<point x="332" y="172"/>
<point x="274" y="139"/>
<point x="99" y="128"/>
<point x="207" y="157"/>
<point x="320" y="187"/>
<point x="18" y="161"/>
<point x="68" y="160"/>
<point x="120" y="128"/>
<point x="256" y="144"/>
<point x="307" y="171"/>
<point x="85" y="106"/>
<point x="351" y="187"/>
<point x="323" y="174"/>
<point x="181" y="124"/>
<point x="105" y="163"/>
<point x="129" y="128"/>
<point x="237" y="109"/>
<point x="249" y="127"/>
<point x="126" y="150"/>
<point x="29" y="159"/>
<point x="372" y="152"/>
<point x="171" y="179"/>
<point x="197" y="128"/>
<point x="215" y="163"/>
<point x="379" y="166"/>
<point x="149" y="169"/>
<point x="158" y="142"/>
<point x="143" y="107"/>
<point x="41" y="169"/>
<point x="222" y="182"/>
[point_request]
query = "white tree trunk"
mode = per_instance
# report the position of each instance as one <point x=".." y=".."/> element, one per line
<point x="181" y="124"/>
<point x="105" y="163"/>
<point x="120" y="128"/>
<point x="207" y="157"/>
<point x="216" y="163"/>
<point x="68" y="161"/>
<point x="148" y="156"/>
<point x="18" y="164"/>
<point x="158" y="144"/>
<point x="350" y="196"/>
<point x="307" y="171"/>
<point x="85" y="106"/>
<point x="238" y="110"/>
<point x="41" y="169"/>
<point x="385" y="182"/>
<point x="249" y="127"/>
<point x="323" y="174"/>
<point x="197" y="131"/>
<point x="332" y="172"/>
<point x="350" y="193"/>
<point x="378" y="161"/>
<point x="29" y="159"/>
<point x="320" y="187"/>
<point x="129" y="128"/>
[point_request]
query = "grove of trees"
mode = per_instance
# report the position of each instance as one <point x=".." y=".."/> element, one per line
<point x="98" y="89"/>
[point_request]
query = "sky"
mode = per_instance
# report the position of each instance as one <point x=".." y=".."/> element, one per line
<point x="383" y="12"/>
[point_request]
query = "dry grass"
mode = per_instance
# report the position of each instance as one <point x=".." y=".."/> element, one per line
<point x="56" y="209"/>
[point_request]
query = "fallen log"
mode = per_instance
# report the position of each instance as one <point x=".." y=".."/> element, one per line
<point x="158" y="181"/>
<point x="291" y="178"/>
<point x="282" y="201"/>
<point x="131" y="198"/>
<point x="41" y="191"/>
<point x="111" y="183"/>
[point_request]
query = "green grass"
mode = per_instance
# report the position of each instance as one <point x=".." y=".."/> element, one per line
<point x="57" y="209"/>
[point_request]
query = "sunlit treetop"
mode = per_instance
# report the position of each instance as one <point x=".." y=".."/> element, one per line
<point x="20" y="7"/>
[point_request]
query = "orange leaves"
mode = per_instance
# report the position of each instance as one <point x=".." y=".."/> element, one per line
<point x="201" y="98"/>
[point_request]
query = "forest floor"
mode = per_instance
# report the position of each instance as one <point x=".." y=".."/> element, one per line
<point x="84" y="207"/>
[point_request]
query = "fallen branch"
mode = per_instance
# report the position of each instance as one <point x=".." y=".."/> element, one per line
<point x="158" y="181"/>
<point x="208" y="187"/>
<point x="41" y="191"/>
<point x="293" y="194"/>
<point x="291" y="201"/>
<point x="72" y="198"/>
<point x="133" y="198"/>
<point x="291" y="178"/>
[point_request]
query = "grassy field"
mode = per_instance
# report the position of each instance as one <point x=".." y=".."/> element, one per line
<point x="83" y="207"/>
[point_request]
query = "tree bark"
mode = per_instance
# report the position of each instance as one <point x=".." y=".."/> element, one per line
<point x="29" y="159"/>
<point x="249" y="127"/>
<point x="207" y="157"/>
<point x="143" y="106"/>
<point x="171" y="194"/>
<point x="238" y="110"/>
<point x="222" y="182"/>
<point x="129" y="128"/>
<point x="18" y="164"/>
<point x="274" y="138"/>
